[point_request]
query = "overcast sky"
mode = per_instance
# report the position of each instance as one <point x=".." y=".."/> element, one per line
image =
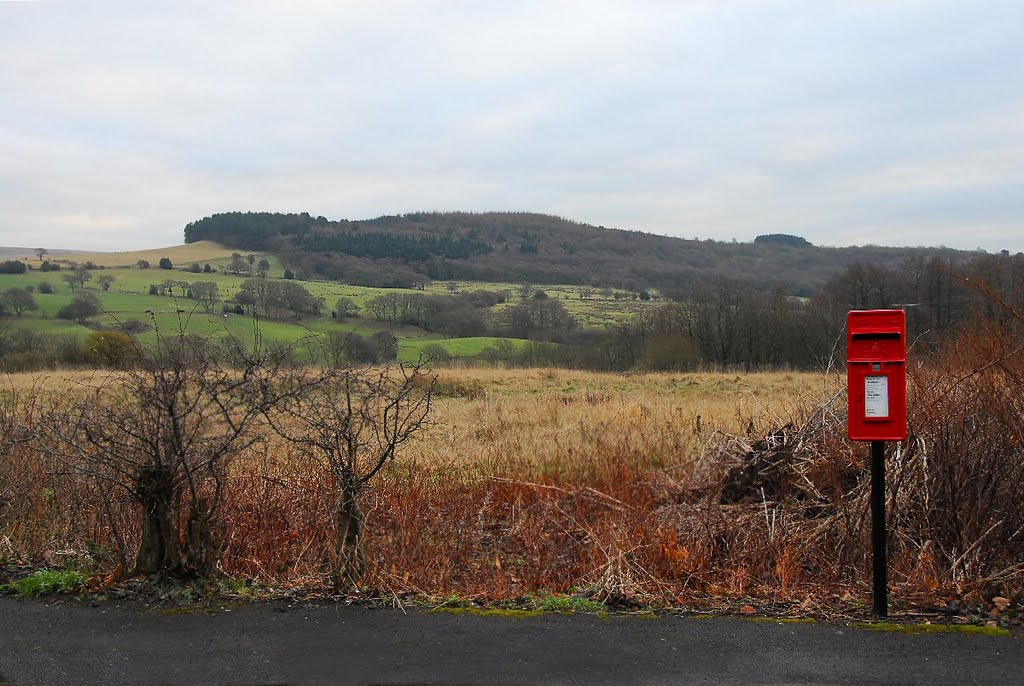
<point x="847" y="122"/>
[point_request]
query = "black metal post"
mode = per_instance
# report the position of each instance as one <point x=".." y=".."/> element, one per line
<point x="880" y="587"/>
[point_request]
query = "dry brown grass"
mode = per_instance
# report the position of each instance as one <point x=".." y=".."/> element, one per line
<point x="184" y="254"/>
<point x="488" y="416"/>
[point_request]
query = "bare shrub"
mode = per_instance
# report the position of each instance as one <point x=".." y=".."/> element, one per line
<point x="351" y="422"/>
<point x="954" y="487"/>
<point x="22" y="477"/>
<point x="163" y="433"/>
<point x="962" y="484"/>
<point x="12" y="429"/>
<point x="960" y="478"/>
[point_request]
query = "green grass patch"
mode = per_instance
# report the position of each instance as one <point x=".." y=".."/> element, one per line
<point x="554" y="602"/>
<point x="48" y="582"/>
<point x="534" y="605"/>
<point x="58" y="327"/>
<point x="238" y="587"/>
<point x="411" y="348"/>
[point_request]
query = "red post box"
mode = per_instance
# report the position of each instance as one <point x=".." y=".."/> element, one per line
<point x="876" y="351"/>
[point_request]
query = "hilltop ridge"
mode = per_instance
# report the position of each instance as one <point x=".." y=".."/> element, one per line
<point x="402" y="250"/>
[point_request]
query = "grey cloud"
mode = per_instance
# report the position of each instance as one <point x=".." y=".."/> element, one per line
<point x="883" y="122"/>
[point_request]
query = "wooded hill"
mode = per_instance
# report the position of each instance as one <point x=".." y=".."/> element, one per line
<point x="405" y="250"/>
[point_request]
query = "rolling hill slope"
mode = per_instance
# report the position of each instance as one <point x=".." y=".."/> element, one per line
<point x="405" y="249"/>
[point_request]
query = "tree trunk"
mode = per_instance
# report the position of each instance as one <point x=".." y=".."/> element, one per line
<point x="160" y="546"/>
<point x="349" y="561"/>
<point x="202" y="550"/>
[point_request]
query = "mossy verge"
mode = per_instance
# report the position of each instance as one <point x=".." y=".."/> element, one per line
<point x="923" y="629"/>
<point x="533" y="605"/>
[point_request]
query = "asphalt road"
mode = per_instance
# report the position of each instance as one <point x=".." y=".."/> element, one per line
<point x="277" y="643"/>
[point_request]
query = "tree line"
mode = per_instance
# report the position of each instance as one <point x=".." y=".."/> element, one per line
<point x="727" y="324"/>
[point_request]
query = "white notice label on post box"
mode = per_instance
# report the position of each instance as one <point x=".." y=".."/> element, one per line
<point x="876" y="396"/>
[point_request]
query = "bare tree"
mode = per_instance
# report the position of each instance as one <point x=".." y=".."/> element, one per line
<point x="714" y="324"/>
<point x="238" y="265"/>
<point x="168" y="285"/>
<point x="206" y="293"/>
<point x="19" y="300"/>
<point x="345" y="308"/>
<point x="41" y="253"/>
<point x="352" y="422"/>
<point x="81" y="307"/>
<point x="78" y="277"/>
<point x="164" y="432"/>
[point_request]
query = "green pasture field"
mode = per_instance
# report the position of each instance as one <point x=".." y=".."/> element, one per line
<point x="128" y="299"/>
<point x="600" y="309"/>
<point x="46" y="326"/>
<point x="307" y="336"/>
<point x="458" y="347"/>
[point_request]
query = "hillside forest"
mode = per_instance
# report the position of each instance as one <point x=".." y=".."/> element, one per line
<point x="402" y="250"/>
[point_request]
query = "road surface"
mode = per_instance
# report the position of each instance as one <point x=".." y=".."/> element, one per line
<point x="280" y="643"/>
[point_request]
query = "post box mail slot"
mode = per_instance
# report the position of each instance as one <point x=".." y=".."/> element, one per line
<point x="876" y="352"/>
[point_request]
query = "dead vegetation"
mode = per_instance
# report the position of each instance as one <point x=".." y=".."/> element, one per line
<point x="667" y="489"/>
